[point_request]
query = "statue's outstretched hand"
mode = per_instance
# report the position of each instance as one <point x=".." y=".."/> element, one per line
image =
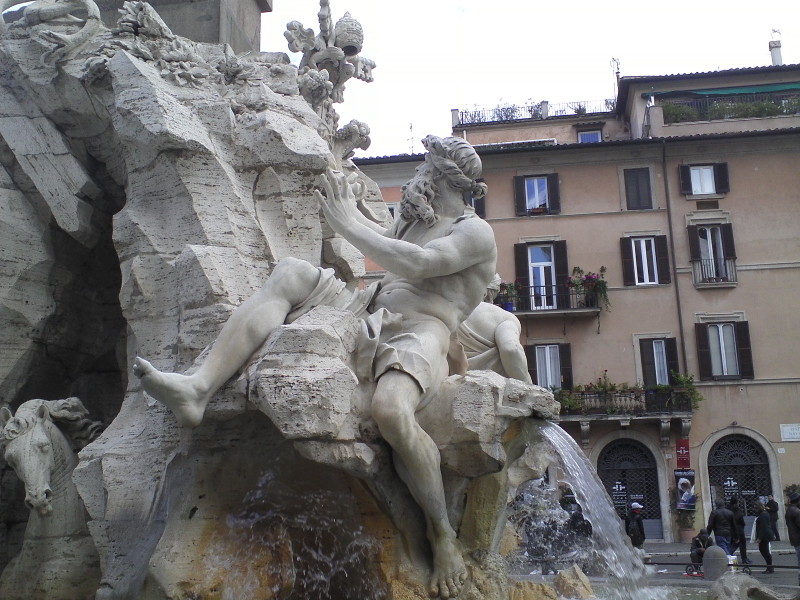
<point x="339" y="200"/>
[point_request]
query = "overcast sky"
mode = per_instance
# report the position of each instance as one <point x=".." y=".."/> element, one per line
<point x="435" y="55"/>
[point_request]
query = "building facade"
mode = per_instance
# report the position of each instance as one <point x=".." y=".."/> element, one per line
<point x="679" y="203"/>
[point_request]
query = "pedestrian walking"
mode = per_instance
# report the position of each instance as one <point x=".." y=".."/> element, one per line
<point x="634" y="525"/>
<point x="720" y="523"/>
<point x="773" y="509"/>
<point x="792" y="517"/>
<point x="764" y="535"/>
<point x="739" y="538"/>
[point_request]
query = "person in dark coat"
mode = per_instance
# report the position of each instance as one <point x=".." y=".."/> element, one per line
<point x="720" y="523"/>
<point x="764" y="535"/>
<point x="792" y="517"/>
<point x="739" y="538"/>
<point x="700" y="543"/>
<point x="634" y="525"/>
<point x="773" y="508"/>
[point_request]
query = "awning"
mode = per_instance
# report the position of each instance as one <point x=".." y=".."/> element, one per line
<point x="749" y="89"/>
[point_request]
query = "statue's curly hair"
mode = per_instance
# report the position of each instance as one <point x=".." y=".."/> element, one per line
<point x="452" y="158"/>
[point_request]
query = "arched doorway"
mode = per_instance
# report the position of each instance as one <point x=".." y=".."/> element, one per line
<point x="628" y="471"/>
<point x="739" y="466"/>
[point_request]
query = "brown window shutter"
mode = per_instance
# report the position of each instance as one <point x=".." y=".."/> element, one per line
<point x="703" y="351"/>
<point x="728" y="247"/>
<point x="530" y="356"/>
<point x="721" y="182"/>
<point x="662" y="259"/>
<point x="565" y="357"/>
<point x="520" y="200"/>
<point x="694" y="242"/>
<point x="685" y="174"/>
<point x="628" y="275"/>
<point x="561" y="268"/>
<point x="648" y="362"/>
<point x="671" y="348"/>
<point x="553" y="194"/>
<point x="743" y="350"/>
<point x="522" y="275"/>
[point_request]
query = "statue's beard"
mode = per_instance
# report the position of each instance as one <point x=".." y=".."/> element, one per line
<point x="416" y="201"/>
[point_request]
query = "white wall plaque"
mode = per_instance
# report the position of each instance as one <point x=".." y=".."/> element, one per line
<point x="790" y="432"/>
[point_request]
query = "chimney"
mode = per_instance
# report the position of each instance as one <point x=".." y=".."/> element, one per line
<point x="775" y="50"/>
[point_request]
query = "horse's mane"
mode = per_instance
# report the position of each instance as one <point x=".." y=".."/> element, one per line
<point x="69" y="414"/>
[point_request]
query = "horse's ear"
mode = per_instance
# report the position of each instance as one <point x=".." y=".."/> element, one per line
<point x="5" y="416"/>
<point x="43" y="412"/>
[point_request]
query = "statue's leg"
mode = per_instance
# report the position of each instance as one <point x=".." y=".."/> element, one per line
<point x="396" y="398"/>
<point x="291" y="282"/>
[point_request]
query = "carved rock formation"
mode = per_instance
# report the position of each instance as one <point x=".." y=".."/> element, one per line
<point x="152" y="183"/>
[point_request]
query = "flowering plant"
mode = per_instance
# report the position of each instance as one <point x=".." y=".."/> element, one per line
<point x="590" y="283"/>
<point x="508" y="291"/>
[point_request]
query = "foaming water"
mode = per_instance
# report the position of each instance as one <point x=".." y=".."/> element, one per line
<point x="627" y="574"/>
<point x="309" y="545"/>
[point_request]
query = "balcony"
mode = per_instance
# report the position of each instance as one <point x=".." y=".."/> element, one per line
<point x="626" y="403"/>
<point x="623" y="407"/>
<point x="716" y="114"/>
<point x="714" y="272"/>
<point x="550" y="300"/>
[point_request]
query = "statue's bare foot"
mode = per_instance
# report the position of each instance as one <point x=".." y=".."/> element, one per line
<point x="178" y="392"/>
<point x="449" y="570"/>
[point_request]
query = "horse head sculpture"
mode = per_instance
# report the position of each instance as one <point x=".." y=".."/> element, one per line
<point x="41" y="454"/>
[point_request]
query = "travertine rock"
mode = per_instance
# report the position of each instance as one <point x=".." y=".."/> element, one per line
<point x="572" y="583"/>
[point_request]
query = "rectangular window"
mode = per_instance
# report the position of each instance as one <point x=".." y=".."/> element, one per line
<point x="722" y="343"/>
<point x="703" y="180"/>
<point x="723" y="350"/>
<point x="548" y="366"/>
<point x="590" y="137"/>
<point x="541" y="272"/>
<point x="479" y="204"/>
<point x="659" y="358"/>
<point x="713" y="253"/>
<point x="536" y="195"/>
<point x="541" y="275"/>
<point x="645" y="260"/>
<point x="637" y="189"/>
<point x="645" y="270"/>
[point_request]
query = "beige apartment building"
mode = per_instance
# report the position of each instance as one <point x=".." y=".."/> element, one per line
<point x="685" y="191"/>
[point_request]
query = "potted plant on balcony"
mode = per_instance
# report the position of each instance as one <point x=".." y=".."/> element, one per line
<point x="508" y="295"/>
<point x="590" y="289"/>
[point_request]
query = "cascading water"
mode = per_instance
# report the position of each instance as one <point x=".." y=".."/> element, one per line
<point x="600" y="549"/>
<point x="622" y="561"/>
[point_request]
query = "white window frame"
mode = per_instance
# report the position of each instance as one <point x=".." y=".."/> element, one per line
<point x="599" y="133"/>
<point x="712" y="251"/>
<point x="703" y="182"/>
<point x="637" y="337"/>
<point x="640" y="246"/>
<point x="660" y="361"/>
<point x="548" y="365"/>
<point x="724" y="353"/>
<point x="393" y="208"/>
<point x="546" y="298"/>
<point x="538" y="199"/>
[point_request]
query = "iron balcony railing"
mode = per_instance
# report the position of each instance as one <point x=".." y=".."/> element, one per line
<point x="548" y="297"/>
<point x="714" y="270"/>
<point x="634" y="402"/>
<point x="737" y="106"/>
<point x="536" y="111"/>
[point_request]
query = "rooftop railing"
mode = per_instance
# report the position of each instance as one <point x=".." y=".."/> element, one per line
<point x="534" y="111"/>
<point x="739" y="106"/>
